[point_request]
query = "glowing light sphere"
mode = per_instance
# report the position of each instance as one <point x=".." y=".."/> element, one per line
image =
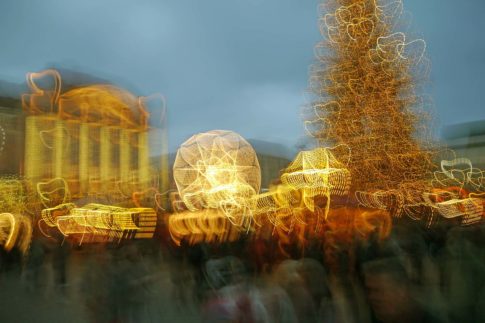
<point x="218" y="170"/>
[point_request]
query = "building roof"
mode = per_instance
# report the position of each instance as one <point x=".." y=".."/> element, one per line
<point x="467" y="129"/>
<point x="272" y="149"/>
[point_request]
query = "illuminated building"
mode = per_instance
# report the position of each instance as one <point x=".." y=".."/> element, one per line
<point x="95" y="137"/>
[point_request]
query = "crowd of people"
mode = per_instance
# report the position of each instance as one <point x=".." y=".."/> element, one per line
<point x="416" y="275"/>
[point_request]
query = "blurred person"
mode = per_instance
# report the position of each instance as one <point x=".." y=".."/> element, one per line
<point x="60" y="258"/>
<point x="316" y="282"/>
<point x="348" y="301"/>
<point x="270" y="303"/>
<point x="479" y="311"/>
<point x="288" y="276"/>
<point x="129" y="288"/>
<point x="463" y="270"/>
<point x="11" y="261"/>
<point x="184" y="275"/>
<point x="34" y="274"/>
<point x="235" y="297"/>
<point x="96" y="284"/>
<point x="390" y="292"/>
<point x="227" y="299"/>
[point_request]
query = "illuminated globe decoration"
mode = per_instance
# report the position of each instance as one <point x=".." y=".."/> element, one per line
<point x="218" y="170"/>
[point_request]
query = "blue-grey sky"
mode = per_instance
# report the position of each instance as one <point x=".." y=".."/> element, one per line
<point x="240" y="65"/>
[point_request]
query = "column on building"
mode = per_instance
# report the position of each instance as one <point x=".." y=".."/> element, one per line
<point x="105" y="156"/>
<point x="143" y="159"/>
<point x="125" y="159"/>
<point x="58" y="148"/>
<point x="33" y="148"/>
<point x="84" y="157"/>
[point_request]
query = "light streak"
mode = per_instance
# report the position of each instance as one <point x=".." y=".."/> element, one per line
<point x="101" y="223"/>
<point x="15" y="231"/>
<point x="209" y="225"/>
<point x="458" y="192"/>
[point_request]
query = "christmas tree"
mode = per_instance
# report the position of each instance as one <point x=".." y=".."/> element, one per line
<point x="366" y="83"/>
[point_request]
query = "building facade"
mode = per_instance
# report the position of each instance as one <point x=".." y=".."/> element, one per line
<point x="95" y="138"/>
<point x="467" y="140"/>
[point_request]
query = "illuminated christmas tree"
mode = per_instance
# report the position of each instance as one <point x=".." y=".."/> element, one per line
<point x="366" y="86"/>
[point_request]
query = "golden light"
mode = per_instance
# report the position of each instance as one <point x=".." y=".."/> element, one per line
<point x="217" y="175"/>
<point x="218" y="170"/>
<point x="12" y="195"/>
<point x="459" y="191"/>
<point x="366" y="97"/>
<point x="306" y="190"/>
<point x="100" y="223"/>
<point x="211" y="226"/>
<point x="15" y="231"/>
<point x="317" y="173"/>
<point x="308" y="184"/>
<point x="96" y="138"/>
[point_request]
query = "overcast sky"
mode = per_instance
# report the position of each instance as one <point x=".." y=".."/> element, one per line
<point x="240" y="65"/>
